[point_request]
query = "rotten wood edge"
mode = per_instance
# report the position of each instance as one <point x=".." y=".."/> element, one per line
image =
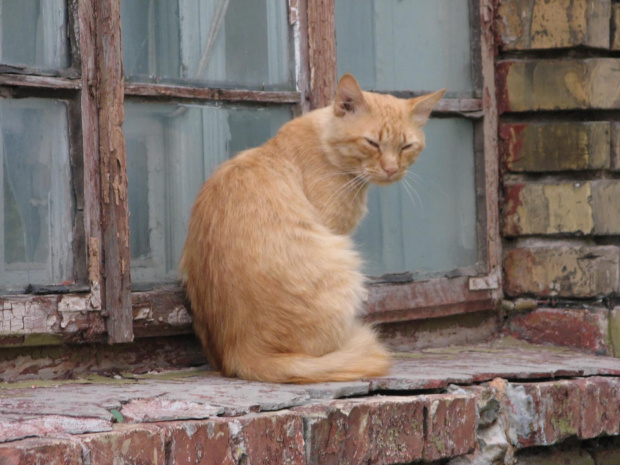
<point x="164" y="91"/>
<point x="71" y="318"/>
<point x="90" y="150"/>
<point x="45" y="82"/>
<point x="438" y="297"/>
<point x="298" y="21"/>
<point x="113" y="171"/>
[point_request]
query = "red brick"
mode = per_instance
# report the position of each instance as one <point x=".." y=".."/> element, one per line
<point x="136" y="445"/>
<point x="40" y="452"/>
<point x="268" y="438"/>
<point x="450" y="426"/>
<point x="579" y="328"/>
<point x="199" y="443"/>
<point x="542" y="414"/>
<point x="600" y="406"/>
<point x="380" y="430"/>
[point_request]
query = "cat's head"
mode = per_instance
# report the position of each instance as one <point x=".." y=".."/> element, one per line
<point x="376" y="136"/>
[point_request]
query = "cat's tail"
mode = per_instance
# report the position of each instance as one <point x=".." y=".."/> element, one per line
<point x="362" y="356"/>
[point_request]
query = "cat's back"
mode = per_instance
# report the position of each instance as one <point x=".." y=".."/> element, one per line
<point x="261" y="179"/>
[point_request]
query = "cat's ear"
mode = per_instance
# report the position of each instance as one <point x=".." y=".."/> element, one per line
<point x="349" y="97"/>
<point x="422" y="106"/>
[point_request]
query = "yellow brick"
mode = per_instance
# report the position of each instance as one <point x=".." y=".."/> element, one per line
<point x="563" y="84"/>
<point x="562" y="271"/>
<point x="544" y="24"/>
<point x="551" y="146"/>
<point x="561" y="208"/>
<point x="615" y="17"/>
<point x="606" y="206"/>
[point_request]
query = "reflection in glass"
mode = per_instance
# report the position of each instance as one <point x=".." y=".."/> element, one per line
<point x="428" y="226"/>
<point x="171" y="150"/>
<point x="33" y="33"/>
<point x="35" y="186"/>
<point x="406" y="44"/>
<point x="222" y="43"/>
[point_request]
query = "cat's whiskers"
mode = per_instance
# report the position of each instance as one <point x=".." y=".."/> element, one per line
<point x="360" y="187"/>
<point x="332" y="175"/>
<point x="408" y="187"/>
<point x="358" y="180"/>
<point x="427" y="183"/>
<point x="405" y="187"/>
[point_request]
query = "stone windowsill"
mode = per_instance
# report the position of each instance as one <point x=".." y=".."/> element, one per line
<point x="494" y="398"/>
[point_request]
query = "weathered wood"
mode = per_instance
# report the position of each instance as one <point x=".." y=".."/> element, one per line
<point x="434" y="298"/>
<point x="146" y="355"/>
<point x="322" y="51"/>
<point x="90" y="149"/>
<point x="113" y="171"/>
<point x="298" y="19"/>
<point x="80" y="254"/>
<point x="476" y="55"/>
<point x="161" y="312"/>
<point x="46" y="82"/>
<point x="200" y="93"/>
<point x="73" y="34"/>
<point x="459" y="106"/>
<point x="50" y="319"/>
<point x="490" y="130"/>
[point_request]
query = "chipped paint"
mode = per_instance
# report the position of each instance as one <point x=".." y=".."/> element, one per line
<point x="179" y="316"/>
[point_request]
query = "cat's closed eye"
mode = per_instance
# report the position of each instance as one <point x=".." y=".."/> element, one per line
<point x="372" y="142"/>
<point x="411" y="146"/>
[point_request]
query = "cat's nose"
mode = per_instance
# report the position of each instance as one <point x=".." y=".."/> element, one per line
<point x="390" y="170"/>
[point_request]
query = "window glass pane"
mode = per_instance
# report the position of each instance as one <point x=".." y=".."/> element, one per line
<point x="33" y="33"/>
<point x="241" y="43"/>
<point x="427" y="221"/>
<point x="36" y="208"/>
<point x="171" y="150"/>
<point x="405" y="44"/>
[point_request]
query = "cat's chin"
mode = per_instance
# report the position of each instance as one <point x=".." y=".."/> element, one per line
<point x="386" y="181"/>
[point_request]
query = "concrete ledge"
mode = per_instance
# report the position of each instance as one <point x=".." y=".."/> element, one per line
<point x="461" y="404"/>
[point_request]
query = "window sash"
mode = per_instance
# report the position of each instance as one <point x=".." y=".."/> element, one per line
<point x="313" y="25"/>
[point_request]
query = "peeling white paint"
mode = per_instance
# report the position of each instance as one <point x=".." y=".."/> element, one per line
<point x="144" y="313"/>
<point x="521" y="413"/>
<point x="72" y="302"/>
<point x="179" y="316"/>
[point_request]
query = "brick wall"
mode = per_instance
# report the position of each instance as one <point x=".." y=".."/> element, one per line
<point x="558" y="80"/>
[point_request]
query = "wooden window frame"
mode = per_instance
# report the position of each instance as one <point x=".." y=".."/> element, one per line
<point x="102" y="306"/>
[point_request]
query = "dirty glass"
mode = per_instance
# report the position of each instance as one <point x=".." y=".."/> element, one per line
<point x="220" y="43"/>
<point x="33" y="33"/>
<point x="406" y="44"/>
<point x="171" y="150"/>
<point x="426" y="223"/>
<point x="36" y="203"/>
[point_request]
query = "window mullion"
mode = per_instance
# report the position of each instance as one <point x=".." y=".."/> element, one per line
<point x="322" y="51"/>
<point x="112" y="166"/>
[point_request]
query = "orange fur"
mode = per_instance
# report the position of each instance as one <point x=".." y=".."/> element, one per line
<point x="270" y="270"/>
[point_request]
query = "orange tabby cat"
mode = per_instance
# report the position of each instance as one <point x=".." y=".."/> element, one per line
<point x="270" y="270"/>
